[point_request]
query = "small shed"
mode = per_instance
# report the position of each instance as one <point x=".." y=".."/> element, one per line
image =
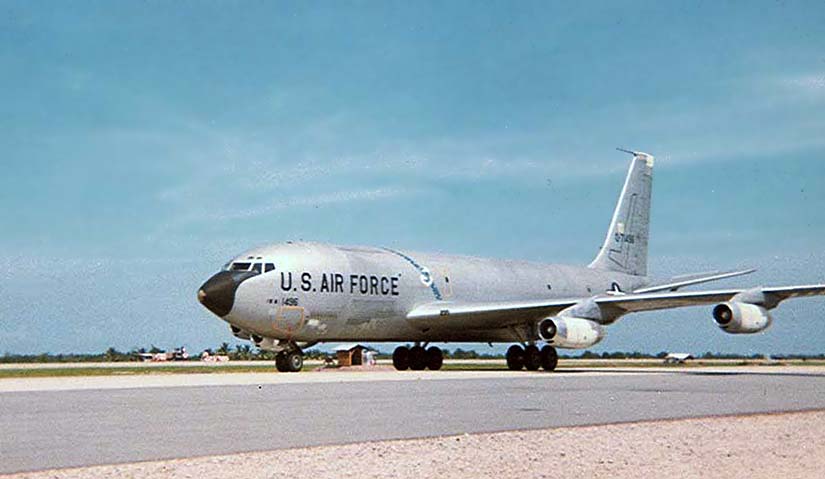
<point x="350" y="354"/>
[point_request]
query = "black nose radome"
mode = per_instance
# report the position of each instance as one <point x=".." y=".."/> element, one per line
<point x="218" y="293"/>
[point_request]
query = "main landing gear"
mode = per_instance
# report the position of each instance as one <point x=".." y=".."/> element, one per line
<point x="417" y="358"/>
<point x="289" y="361"/>
<point x="532" y="358"/>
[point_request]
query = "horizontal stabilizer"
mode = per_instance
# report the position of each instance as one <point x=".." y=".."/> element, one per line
<point x="680" y="282"/>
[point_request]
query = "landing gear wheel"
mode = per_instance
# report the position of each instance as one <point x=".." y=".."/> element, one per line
<point x="515" y="358"/>
<point x="294" y="361"/>
<point x="280" y="363"/>
<point x="532" y="358"/>
<point x="418" y="358"/>
<point x="434" y="358"/>
<point x="401" y="358"/>
<point x="549" y="358"/>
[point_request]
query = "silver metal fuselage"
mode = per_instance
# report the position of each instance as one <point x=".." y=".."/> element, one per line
<point x="321" y="292"/>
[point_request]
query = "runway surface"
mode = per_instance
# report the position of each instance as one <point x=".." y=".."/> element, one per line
<point x="56" y="427"/>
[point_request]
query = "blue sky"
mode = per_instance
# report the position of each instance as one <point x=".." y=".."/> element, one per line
<point x="145" y="143"/>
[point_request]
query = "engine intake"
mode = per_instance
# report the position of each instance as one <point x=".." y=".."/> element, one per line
<point x="547" y="329"/>
<point x="735" y="317"/>
<point x="570" y="333"/>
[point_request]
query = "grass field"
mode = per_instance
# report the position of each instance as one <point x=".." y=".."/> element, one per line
<point x="131" y="369"/>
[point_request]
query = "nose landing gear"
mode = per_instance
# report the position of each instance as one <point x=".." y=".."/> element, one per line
<point x="417" y="358"/>
<point x="532" y="358"/>
<point x="289" y="361"/>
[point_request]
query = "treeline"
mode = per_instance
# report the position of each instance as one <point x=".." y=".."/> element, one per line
<point x="110" y="355"/>
<point x="245" y="352"/>
<point x="239" y="352"/>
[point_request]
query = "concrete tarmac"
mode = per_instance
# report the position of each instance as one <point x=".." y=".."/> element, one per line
<point x="65" y="427"/>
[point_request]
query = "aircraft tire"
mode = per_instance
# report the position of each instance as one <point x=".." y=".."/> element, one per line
<point x="549" y="358"/>
<point x="532" y="358"/>
<point x="401" y="358"/>
<point x="280" y="363"/>
<point x="418" y="358"/>
<point x="294" y="361"/>
<point x="435" y="358"/>
<point x="515" y="357"/>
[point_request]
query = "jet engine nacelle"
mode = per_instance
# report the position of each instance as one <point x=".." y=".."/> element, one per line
<point x="570" y="333"/>
<point x="735" y="317"/>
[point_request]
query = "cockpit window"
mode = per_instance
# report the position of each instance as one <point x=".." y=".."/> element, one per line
<point x="240" y="267"/>
<point x="268" y="267"/>
<point x="256" y="268"/>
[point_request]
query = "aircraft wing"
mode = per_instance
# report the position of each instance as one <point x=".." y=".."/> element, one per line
<point x="632" y="303"/>
<point x="486" y="315"/>
<point x="492" y="315"/>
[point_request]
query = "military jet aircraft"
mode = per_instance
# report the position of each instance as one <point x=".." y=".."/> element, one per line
<point x="290" y="296"/>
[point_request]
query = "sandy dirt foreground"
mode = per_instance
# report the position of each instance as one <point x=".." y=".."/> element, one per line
<point x="779" y="445"/>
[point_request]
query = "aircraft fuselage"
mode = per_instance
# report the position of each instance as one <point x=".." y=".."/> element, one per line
<point x="321" y="292"/>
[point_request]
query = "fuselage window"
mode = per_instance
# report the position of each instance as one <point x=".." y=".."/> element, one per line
<point x="269" y="267"/>
<point x="240" y="266"/>
<point x="256" y="267"/>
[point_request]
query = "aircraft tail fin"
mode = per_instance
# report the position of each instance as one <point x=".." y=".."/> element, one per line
<point x="625" y="248"/>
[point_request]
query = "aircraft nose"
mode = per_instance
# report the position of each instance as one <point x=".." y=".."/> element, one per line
<point x="218" y="292"/>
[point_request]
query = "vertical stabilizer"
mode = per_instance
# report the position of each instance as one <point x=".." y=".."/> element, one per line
<point x="625" y="248"/>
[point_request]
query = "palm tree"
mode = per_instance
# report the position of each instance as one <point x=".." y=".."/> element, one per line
<point x="112" y="354"/>
<point x="243" y="352"/>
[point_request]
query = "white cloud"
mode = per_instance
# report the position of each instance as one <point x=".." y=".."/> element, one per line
<point x="317" y="200"/>
<point x="313" y="200"/>
<point x="236" y="170"/>
<point x="810" y="82"/>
